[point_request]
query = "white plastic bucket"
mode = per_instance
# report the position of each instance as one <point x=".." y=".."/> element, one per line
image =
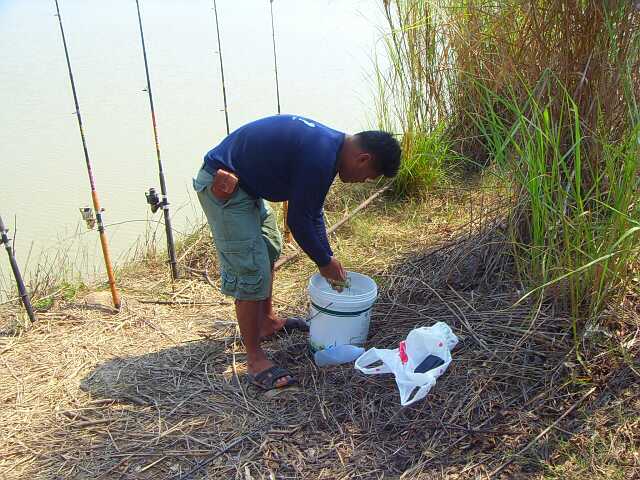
<point x="340" y="318"/>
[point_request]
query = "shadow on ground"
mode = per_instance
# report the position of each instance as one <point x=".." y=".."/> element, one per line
<point x="186" y="412"/>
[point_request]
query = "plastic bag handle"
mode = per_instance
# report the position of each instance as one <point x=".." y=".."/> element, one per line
<point x="407" y="387"/>
<point x="420" y="394"/>
<point x="368" y="358"/>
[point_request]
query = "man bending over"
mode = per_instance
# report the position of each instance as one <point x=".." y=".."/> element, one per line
<point x="280" y="158"/>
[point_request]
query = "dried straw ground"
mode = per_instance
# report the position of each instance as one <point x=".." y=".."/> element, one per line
<point x="157" y="390"/>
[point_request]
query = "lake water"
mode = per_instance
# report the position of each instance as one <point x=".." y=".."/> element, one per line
<point x="325" y="59"/>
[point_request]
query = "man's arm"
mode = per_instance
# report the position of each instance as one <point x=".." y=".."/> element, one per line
<point x="311" y="235"/>
<point x="306" y="222"/>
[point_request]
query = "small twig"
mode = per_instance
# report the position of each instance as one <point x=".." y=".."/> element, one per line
<point x="139" y="449"/>
<point x="92" y="423"/>
<point x="181" y="302"/>
<point x="205" y="274"/>
<point x="10" y="301"/>
<point x="333" y="228"/>
<point x="152" y="464"/>
<point x="193" y="245"/>
<point x="193" y="270"/>
<point x="224" y="450"/>
<point x="53" y="294"/>
<point x="542" y="434"/>
<point x="460" y="317"/>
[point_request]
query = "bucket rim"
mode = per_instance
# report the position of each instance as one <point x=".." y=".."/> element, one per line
<point x="370" y="296"/>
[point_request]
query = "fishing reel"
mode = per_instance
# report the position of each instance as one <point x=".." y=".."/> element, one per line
<point x="88" y="217"/>
<point x="154" y="200"/>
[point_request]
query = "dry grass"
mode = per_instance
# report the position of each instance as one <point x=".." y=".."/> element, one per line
<point x="157" y="391"/>
<point x="603" y="441"/>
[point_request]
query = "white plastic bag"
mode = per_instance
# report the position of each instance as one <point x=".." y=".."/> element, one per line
<point x="421" y="342"/>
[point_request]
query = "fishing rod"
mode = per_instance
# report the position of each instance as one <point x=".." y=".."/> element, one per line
<point x="86" y="212"/>
<point x="152" y="197"/>
<point x="4" y="239"/>
<point x="275" y="58"/>
<point x="285" y="205"/>
<point x="224" y="90"/>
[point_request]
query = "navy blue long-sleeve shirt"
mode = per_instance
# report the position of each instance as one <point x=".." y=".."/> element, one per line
<point x="286" y="157"/>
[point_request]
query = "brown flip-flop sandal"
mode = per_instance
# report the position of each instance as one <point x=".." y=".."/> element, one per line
<point x="295" y="323"/>
<point x="290" y="324"/>
<point x="268" y="379"/>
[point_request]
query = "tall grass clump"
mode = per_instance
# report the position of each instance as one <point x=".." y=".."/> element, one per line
<point x="411" y="96"/>
<point x="427" y="159"/>
<point x="545" y="93"/>
<point x="574" y="228"/>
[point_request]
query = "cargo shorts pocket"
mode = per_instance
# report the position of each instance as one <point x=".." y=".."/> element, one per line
<point x="238" y="256"/>
<point x="250" y="284"/>
<point x="243" y="287"/>
<point x="242" y="269"/>
<point x="228" y="282"/>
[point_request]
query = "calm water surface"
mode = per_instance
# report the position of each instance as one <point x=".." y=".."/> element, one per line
<point x="325" y="51"/>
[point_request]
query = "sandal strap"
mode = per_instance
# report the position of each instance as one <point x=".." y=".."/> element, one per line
<point x="296" y="323"/>
<point x="272" y="375"/>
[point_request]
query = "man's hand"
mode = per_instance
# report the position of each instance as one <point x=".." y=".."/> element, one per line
<point x="335" y="274"/>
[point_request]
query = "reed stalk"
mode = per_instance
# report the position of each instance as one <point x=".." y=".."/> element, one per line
<point x="544" y="94"/>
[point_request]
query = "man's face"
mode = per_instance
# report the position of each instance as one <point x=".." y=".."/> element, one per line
<point x="358" y="169"/>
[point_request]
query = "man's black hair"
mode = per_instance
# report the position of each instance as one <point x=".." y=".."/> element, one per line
<point x="384" y="148"/>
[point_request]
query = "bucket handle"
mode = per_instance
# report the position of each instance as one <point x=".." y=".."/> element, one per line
<point x="318" y="313"/>
<point x="339" y="314"/>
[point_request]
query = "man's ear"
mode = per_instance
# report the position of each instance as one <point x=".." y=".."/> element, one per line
<point x="364" y="158"/>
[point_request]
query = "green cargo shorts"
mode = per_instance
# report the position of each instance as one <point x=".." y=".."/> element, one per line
<point x="246" y="237"/>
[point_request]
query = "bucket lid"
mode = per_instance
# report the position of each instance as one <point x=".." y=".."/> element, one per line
<point x="362" y="288"/>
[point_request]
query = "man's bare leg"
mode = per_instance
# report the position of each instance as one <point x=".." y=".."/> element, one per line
<point x="249" y="314"/>
<point x="270" y="322"/>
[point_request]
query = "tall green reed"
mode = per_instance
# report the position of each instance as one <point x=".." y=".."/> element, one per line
<point x="574" y="228"/>
<point x="412" y="97"/>
<point x="547" y="92"/>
